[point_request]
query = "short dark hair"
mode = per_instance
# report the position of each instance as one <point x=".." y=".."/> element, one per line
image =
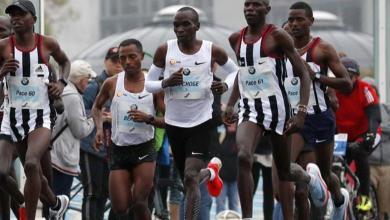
<point x="192" y="10"/>
<point x="131" y="41"/>
<point x="304" y="6"/>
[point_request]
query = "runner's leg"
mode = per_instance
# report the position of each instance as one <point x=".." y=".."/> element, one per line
<point x="248" y="134"/>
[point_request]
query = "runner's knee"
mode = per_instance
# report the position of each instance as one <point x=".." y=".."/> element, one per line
<point x="190" y="178"/>
<point x="245" y="159"/>
<point x="31" y="167"/>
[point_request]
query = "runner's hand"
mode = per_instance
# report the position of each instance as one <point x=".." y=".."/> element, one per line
<point x="174" y="80"/>
<point x="229" y="116"/>
<point x="99" y="139"/>
<point x="218" y="87"/>
<point x="106" y="116"/>
<point x="10" y="65"/>
<point x="138" y="116"/>
<point x="55" y="89"/>
<point x="295" y="123"/>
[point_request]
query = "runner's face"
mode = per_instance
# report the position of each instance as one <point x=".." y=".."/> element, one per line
<point x="299" y="23"/>
<point x="130" y="58"/>
<point x="185" y="25"/>
<point x="21" y="20"/>
<point x="255" y="11"/>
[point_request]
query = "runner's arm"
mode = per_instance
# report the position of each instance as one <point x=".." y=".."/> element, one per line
<point x="153" y="84"/>
<point x="331" y="59"/>
<point x="60" y="57"/>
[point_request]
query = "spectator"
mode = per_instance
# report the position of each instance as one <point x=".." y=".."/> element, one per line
<point x="380" y="160"/>
<point x="71" y="126"/>
<point x="228" y="155"/>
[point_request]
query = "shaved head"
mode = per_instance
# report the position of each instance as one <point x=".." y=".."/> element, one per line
<point x="193" y="11"/>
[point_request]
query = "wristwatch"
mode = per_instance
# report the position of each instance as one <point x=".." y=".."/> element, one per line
<point x="317" y="76"/>
<point x="63" y="81"/>
<point x="150" y="119"/>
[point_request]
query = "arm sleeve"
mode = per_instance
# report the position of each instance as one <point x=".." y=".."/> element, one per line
<point x="152" y="82"/>
<point x="370" y="96"/>
<point x="79" y="124"/>
<point x="231" y="68"/>
<point x="373" y="113"/>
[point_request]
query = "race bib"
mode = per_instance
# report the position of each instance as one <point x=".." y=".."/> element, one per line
<point x="196" y="83"/>
<point x="27" y="92"/>
<point x="293" y="86"/>
<point x="125" y="123"/>
<point x="257" y="80"/>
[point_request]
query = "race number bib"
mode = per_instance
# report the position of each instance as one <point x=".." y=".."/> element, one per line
<point x="293" y="86"/>
<point x="196" y="83"/>
<point x="257" y="80"/>
<point x="27" y="92"/>
<point x="125" y="123"/>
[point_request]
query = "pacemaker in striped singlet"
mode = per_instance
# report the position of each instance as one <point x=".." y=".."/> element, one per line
<point x="318" y="101"/>
<point x="263" y="98"/>
<point x="29" y="107"/>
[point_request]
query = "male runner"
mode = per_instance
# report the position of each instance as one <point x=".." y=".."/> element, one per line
<point x="132" y="152"/>
<point x="24" y="57"/>
<point x="186" y="64"/>
<point x="319" y="128"/>
<point x="264" y="107"/>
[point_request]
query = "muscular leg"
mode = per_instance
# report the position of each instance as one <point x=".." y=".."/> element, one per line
<point x="286" y="170"/>
<point x="7" y="182"/>
<point x="120" y="191"/>
<point x="192" y="177"/>
<point x="248" y="134"/>
<point x="37" y="145"/>
<point x="142" y="175"/>
<point x="324" y="154"/>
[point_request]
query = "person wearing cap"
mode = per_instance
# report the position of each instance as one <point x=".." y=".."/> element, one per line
<point x="24" y="57"/>
<point x="359" y="116"/>
<point x="92" y="161"/>
<point x="8" y="185"/>
<point x="70" y="127"/>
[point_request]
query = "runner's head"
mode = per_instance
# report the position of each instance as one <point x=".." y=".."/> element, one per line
<point x="131" y="55"/>
<point x="23" y="15"/>
<point x="255" y="11"/>
<point x="300" y="19"/>
<point x="111" y="62"/>
<point x="352" y="67"/>
<point x="80" y="72"/>
<point x="186" y="24"/>
<point x="5" y="27"/>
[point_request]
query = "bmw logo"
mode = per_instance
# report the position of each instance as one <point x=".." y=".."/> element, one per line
<point x="133" y="107"/>
<point x="252" y="70"/>
<point x="186" y="72"/>
<point x="25" y="81"/>
<point x="294" y="81"/>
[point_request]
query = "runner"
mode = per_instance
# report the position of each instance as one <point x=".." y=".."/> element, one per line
<point x="264" y="107"/>
<point x="24" y="58"/>
<point x="186" y="64"/>
<point x="319" y="128"/>
<point x="132" y="152"/>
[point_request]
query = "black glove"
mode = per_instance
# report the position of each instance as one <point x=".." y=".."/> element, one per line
<point x="368" y="141"/>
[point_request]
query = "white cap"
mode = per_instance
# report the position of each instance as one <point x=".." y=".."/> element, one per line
<point x="80" y="69"/>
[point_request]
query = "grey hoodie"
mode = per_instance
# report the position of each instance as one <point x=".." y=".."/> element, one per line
<point x="66" y="148"/>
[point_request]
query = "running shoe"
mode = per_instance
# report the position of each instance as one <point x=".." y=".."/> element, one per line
<point x="317" y="187"/>
<point x="58" y="214"/>
<point x="365" y="204"/>
<point x="215" y="183"/>
<point x="340" y="213"/>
